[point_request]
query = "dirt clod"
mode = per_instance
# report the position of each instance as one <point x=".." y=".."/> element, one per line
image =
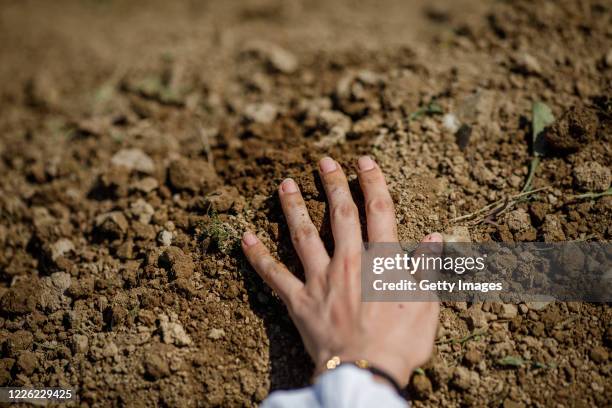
<point x="174" y="260"/>
<point x="195" y="175"/>
<point x="592" y="176"/>
<point x="573" y="130"/>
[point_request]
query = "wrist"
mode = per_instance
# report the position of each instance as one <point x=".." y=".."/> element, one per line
<point x="383" y="366"/>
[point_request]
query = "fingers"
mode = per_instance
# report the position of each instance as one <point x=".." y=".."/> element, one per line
<point x="284" y="283"/>
<point x="430" y="247"/>
<point x="343" y="211"/>
<point x="304" y="234"/>
<point x="380" y="212"/>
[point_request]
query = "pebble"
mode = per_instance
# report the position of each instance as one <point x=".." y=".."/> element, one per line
<point x="450" y="123"/>
<point x="476" y="318"/>
<point x="472" y="357"/>
<point x="592" y="176"/>
<point x="133" y="159"/>
<point x="155" y="366"/>
<point x="80" y="344"/>
<point x="264" y="113"/>
<point x="216" y="334"/>
<point x="422" y="386"/>
<point x="146" y="185"/>
<point x="528" y="64"/>
<point x="465" y="379"/>
<point x="174" y="333"/>
<point x="278" y="58"/>
<point x="165" y="238"/>
<point x="113" y="224"/>
<point x="457" y="234"/>
<point x="179" y="265"/>
<point x="507" y="311"/>
<point x="142" y="210"/>
<point x="61" y="247"/>
<point x="192" y="174"/>
<point x="110" y="350"/>
<point x="539" y="305"/>
<point x="599" y="354"/>
<point x="27" y="362"/>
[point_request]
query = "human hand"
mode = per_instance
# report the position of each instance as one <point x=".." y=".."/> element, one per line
<point x="396" y="337"/>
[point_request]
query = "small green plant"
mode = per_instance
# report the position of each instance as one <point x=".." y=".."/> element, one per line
<point x="541" y="118"/>
<point x="221" y="234"/>
<point x="593" y="195"/>
<point x="432" y="108"/>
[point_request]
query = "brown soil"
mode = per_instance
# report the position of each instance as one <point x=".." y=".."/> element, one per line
<point x="137" y="143"/>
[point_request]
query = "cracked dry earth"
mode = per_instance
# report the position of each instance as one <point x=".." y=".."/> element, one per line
<point x="138" y="142"/>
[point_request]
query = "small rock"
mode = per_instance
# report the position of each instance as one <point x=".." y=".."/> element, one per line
<point x="223" y="199"/>
<point x="518" y="221"/>
<point x="176" y="263"/>
<point x="465" y="379"/>
<point x="61" y="281"/>
<point x="155" y="366"/>
<point x="599" y="354"/>
<point x="367" y="126"/>
<point x="334" y="126"/>
<point x="538" y="211"/>
<point x="539" y="305"/>
<point x="574" y="129"/>
<point x="476" y="318"/>
<point x="165" y="238"/>
<point x="592" y="176"/>
<point x="422" y="386"/>
<point x="263" y="113"/>
<point x="276" y="57"/>
<point x="527" y="64"/>
<point x="457" y="234"/>
<point x="174" y="333"/>
<point x="472" y="358"/>
<point x="194" y="175"/>
<point x="6" y="366"/>
<point x="111" y="350"/>
<point x="508" y="311"/>
<point x="329" y="119"/>
<point x="133" y="159"/>
<point x="553" y="229"/>
<point x="115" y="316"/>
<point x="27" y="362"/>
<point x="61" y="247"/>
<point x="80" y="344"/>
<point x="146" y="185"/>
<point x="20" y="299"/>
<point x="450" y="123"/>
<point x="142" y="211"/>
<point x="216" y="334"/>
<point x="18" y="341"/>
<point x="112" y="225"/>
<point x="508" y="403"/>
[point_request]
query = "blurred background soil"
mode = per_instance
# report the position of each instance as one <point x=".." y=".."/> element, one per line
<point x="139" y="139"/>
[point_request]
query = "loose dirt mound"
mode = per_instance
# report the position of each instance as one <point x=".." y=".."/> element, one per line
<point x="136" y="147"/>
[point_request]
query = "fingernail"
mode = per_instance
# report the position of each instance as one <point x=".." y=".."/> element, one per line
<point x="327" y="165"/>
<point x="434" y="237"/>
<point x="289" y="186"/>
<point x="249" y="238"/>
<point x="365" y="163"/>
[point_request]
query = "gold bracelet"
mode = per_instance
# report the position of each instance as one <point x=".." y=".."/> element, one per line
<point x="336" y="362"/>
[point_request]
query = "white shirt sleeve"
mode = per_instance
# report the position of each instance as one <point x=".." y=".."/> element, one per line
<point x="346" y="386"/>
